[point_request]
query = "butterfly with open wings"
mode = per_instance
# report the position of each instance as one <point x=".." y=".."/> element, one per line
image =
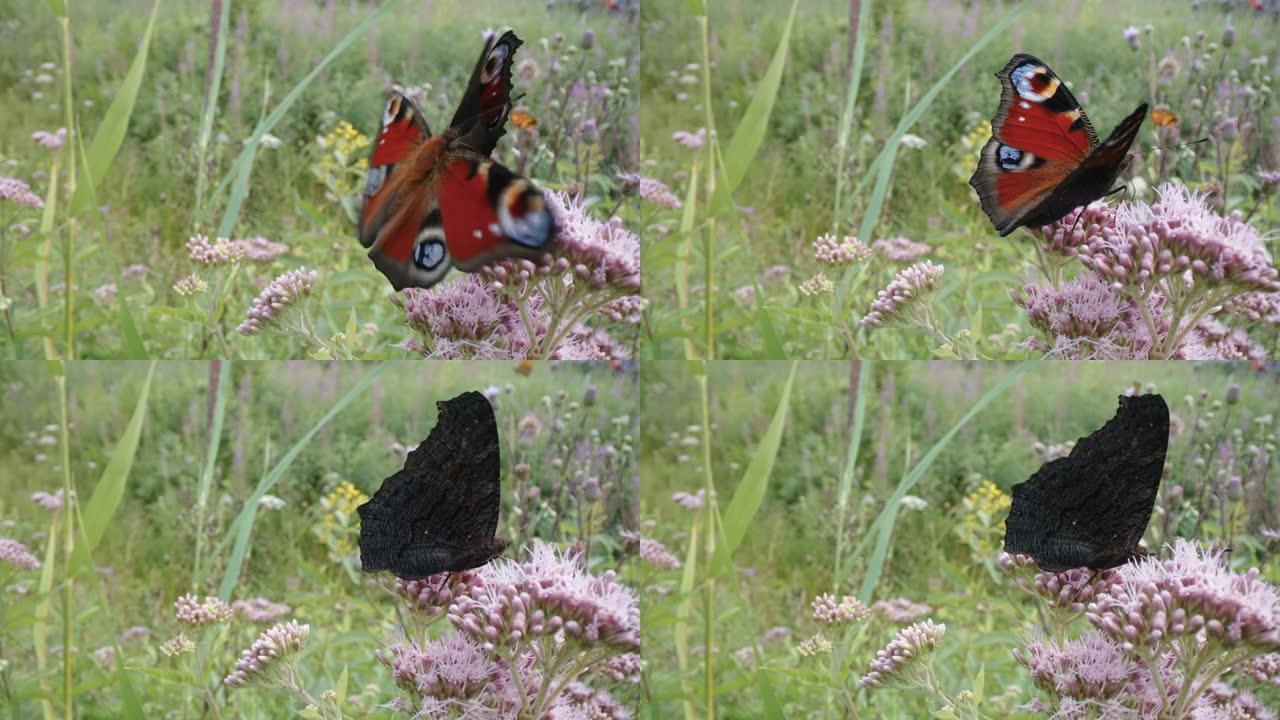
<point x="432" y="202"/>
<point x="1043" y="158"/>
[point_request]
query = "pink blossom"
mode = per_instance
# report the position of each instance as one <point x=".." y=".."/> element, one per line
<point x="833" y="251"/>
<point x="901" y="610"/>
<point x="278" y="296"/>
<point x="259" y="249"/>
<point x="51" y="140"/>
<point x="260" y="609"/>
<point x="690" y="501"/>
<point x="848" y="609"/>
<point x="901" y="659"/>
<point x="136" y="270"/>
<point x="599" y="253"/>
<point x="202" y="251"/>
<point x="657" y="192"/>
<point x="190" y="610"/>
<point x="269" y="655"/>
<point x="691" y="140"/>
<point x="105" y="294"/>
<point x="1089" y="667"/>
<point x="432" y="595"/>
<point x="19" y="192"/>
<point x="909" y="292"/>
<point x="17" y="555"/>
<point x="900" y="249"/>
<point x="50" y="501"/>
<point x="655" y="553"/>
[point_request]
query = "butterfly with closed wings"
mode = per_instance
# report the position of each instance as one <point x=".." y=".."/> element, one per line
<point x="1091" y="508"/>
<point x="1044" y="159"/>
<point x="432" y="202"/>
<point x="440" y="512"/>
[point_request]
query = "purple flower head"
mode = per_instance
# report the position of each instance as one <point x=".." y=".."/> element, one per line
<point x="433" y="595"/>
<point x="269" y="657"/>
<point x="19" y="192"/>
<point x="105" y="294"/>
<point x="1153" y="601"/>
<point x="135" y="632"/>
<point x="17" y="555"/>
<point x="901" y="250"/>
<point x="693" y="141"/>
<point x="259" y="249"/>
<point x="690" y="501"/>
<point x="624" y="668"/>
<point x="657" y="192"/>
<point x="1084" y="308"/>
<point x="600" y="253"/>
<point x="909" y="653"/>
<point x="1065" y="236"/>
<point x="655" y="553"/>
<point x="775" y="273"/>
<point x="218" y="252"/>
<point x="833" y="251"/>
<point x="1180" y="232"/>
<point x="1089" y="667"/>
<point x="190" y="610"/>
<point x="451" y="667"/>
<point x="847" y="610"/>
<point x="277" y="297"/>
<point x="464" y="309"/>
<point x="1131" y="35"/>
<point x="179" y="644"/>
<point x="51" y="140"/>
<point x="816" y="644"/>
<point x="909" y="292"/>
<point x="260" y="609"/>
<point x="135" y="270"/>
<point x="50" y="501"/>
<point x="901" y="610"/>
<point x="544" y="595"/>
<point x="1074" y="589"/>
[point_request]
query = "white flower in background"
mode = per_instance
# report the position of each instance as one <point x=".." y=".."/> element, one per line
<point x="914" y="142"/>
<point x="911" y="502"/>
<point x="269" y="141"/>
<point x="271" y="502"/>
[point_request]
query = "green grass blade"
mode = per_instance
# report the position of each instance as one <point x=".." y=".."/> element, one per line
<point x="242" y="528"/>
<point x="211" y="106"/>
<point x="107" y="494"/>
<point x="749" y="135"/>
<point x="210" y="461"/>
<point x="245" y="162"/>
<point x="131" y="704"/>
<point x="750" y="492"/>
<point x="106" y="142"/>
<point x="134" y="348"/>
<point x="883" y="525"/>
<point x="769" y="698"/>
<point x="846" y="118"/>
<point x="846" y="476"/>
<point x="683" y="611"/>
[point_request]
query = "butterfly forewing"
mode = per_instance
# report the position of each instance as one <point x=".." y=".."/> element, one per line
<point x="481" y="117"/>
<point x="1091" y="508"/>
<point x="440" y="512"/>
<point x="1043" y="157"/>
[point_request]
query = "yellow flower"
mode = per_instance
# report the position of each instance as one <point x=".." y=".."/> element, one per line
<point x="979" y="526"/>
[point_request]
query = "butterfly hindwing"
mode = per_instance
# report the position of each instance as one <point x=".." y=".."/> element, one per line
<point x="1043" y="158"/>
<point x="490" y="212"/>
<point x="398" y="220"/>
<point x="1091" y="508"/>
<point x="440" y="512"/>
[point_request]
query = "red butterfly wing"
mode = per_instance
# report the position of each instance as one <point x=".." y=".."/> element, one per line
<point x="398" y="222"/>
<point x="482" y="115"/>
<point x="490" y="212"/>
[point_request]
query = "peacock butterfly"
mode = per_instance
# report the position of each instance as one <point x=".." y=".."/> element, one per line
<point x="432" y="202"/>
<point x="440" y="512"/>
<point x="1090" y="508"/>
<point x="1043" y="158"/>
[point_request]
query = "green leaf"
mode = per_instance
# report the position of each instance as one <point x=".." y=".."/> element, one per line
<point x="132" y="705"/>
<point x="59" y="7"/>
<point x="341" y="690"/>
<point x="749" y="135"/>
<point x="750" y="492"/>
<point x="242" y="528"/>
<point x="946" y="713"/>
<point x="310" y="713"/>
<point x="882" y="528"/>
<point x="850" y="465"/>
<point x="106" y="142"/>
<point x="134" y="348"/>
<point x="772" y="707"/>
<point x="107" y="493"/>
<point x="243" y="164"/>
<point x="980" y="685"/>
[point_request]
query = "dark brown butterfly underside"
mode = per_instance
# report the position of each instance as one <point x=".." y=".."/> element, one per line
<point x="440" y="512"/>
<point x="1091" y="508"/>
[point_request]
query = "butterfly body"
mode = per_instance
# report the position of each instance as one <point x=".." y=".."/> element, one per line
<point x="440" y="512"/>
<point x="432" y="202"/>
<point x="1044" y="158"/>
<point x="1091" y="508"/>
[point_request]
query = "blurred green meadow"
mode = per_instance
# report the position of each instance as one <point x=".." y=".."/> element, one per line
<point x="240" y="480"/>
<point x="736" y="275"/>
<point x="889" y="482"/>
<point x="253" y="121"/>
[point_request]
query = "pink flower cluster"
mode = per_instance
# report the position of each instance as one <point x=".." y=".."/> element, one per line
<point x="906" y="293"/>
<point x="835" y="251"/>
<point x="267" y="658"/>
<point x="279" y="295"/>
<point x="900" y="249"/>
<point x="908" y="653"/>
<point x="691" y="140"/>
<point x="848" y="609"/>
<point x="17" y="555"/>
<point x="901" y="610"/>
<point x="221" y="251"/>
<point x="19" y="192"/>
<point x="655" y="553"/>
<point x="190" y="610"/>
<point x="51" y="140"/>
<point x="547" y="594"/>
<point x="657" y="192"/>
<point x="50" y="501"/>
<point x="600" y="253"/>
<point x="433" y="595"/>
<point x="259" y="249"/>
<point x="260" y="609"/>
